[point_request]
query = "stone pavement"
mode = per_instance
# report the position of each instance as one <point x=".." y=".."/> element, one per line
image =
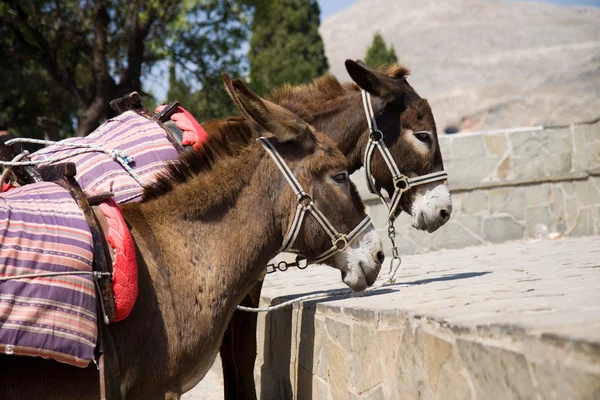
<point x="512" y="320"/>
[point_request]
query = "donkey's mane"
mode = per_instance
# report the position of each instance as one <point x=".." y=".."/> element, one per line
<point x="327" y="87"/>
<point x="226" y="138"/>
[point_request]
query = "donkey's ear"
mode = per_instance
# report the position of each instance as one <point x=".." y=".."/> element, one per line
<point x="367" y="79"/>
<point x="268" y="119"/>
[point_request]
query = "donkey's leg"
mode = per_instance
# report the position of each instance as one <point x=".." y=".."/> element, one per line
<point x="238" y="349"/>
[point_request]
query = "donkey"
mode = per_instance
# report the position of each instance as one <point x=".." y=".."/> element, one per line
<point x="335" y="108"/>
<point x="203" y="236"/>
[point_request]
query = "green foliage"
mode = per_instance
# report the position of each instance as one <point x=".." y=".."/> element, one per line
<point x="81" y="55"/>
<point x="28" y="93"/>
<point x="285" y="46"/>
<point x="378" y="54"/>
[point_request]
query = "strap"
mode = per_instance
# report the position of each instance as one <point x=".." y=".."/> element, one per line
<point x="402" y="183"/>
<point x="339" y="241"/>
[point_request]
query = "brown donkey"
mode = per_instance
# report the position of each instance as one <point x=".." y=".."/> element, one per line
<point x="203" y="236"/>
<point x="335" y="108"/>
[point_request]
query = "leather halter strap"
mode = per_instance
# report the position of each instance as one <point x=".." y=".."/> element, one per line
<point x="339" y="241"/>
<point x="402" y="183"/>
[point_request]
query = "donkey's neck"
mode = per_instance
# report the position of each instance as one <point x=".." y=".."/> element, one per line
<point x="201" y="246"/>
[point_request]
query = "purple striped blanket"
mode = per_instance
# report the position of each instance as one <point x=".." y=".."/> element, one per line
<point x="43" y="231"/>
<point x="141" y="139"/>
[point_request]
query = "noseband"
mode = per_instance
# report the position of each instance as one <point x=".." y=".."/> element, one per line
<point x="402" y="183"/>
<point x="339" y="241"/>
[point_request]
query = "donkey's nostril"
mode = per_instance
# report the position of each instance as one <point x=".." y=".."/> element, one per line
<point x="380" y="256"/>
<point x="444" y="214"/>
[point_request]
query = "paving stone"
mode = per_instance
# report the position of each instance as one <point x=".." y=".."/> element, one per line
<point x="470" y="171"/>
<point x="365" y="367"/>
<point x="558" y="164"/>
<point x="524" y="168"/>
<point x="338" y="371"/>
<point x="498" y="197"/>
<point x="537" y="195"/>
<point x="339" y="332"/>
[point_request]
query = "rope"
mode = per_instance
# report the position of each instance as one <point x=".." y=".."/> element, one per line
<point x="329" y="293"/>
<point x="17" y="158"/>
<point x="96" y="275"/>
<point x="116" y="155"/>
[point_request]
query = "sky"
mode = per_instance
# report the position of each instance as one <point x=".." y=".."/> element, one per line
<point x="330" y="7"/>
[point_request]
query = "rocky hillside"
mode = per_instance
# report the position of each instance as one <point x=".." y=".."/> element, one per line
<point x="504" y="64"/>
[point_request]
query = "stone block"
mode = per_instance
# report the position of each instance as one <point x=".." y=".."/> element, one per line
<point x="475" y="202"/>
<point x="496" y="143"/>
<point x="337" y="371"/>
<point x="527" y="169"/>
<point x="497" y="371"/>
<point x="454" y="382"/>
<point x="501" y="229"/>
<point x="497" y="198"/>
<point x="587" y="146"/>
<point x="320" y="390"/>
<point x="365" y="367"/>
<point x="437" y="353"/>
<point x="538" y="216"/>
<point x="470" y="222"/>
<point x="470" y="171"/>
<point x="504" y="170"/>
<point x="537" y="195"/>
<point x="557" y="381"/>
<point x="555" y="141"/>
<point x="587" y="192"/>
<point x="466" y="147"/>
<point x="339" y="332"/>
<point x="526" y="144"/>
<point x="558" y="201"/>
<point x="587" y="222"/>
<point x="411" y="377"/>
<point x="558" y="164"/>
<point x="515" y="204"/>
<point x="452" y="236"/>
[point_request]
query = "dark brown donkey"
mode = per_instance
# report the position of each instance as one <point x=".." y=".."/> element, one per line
<point x="335" y="108"/>
<point x="203" y="237"/>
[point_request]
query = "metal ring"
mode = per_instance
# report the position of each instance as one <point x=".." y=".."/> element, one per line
<point x="401" y="183"/>
<point x="341" y="242"/>
<point x="305" y="200"/>
<point x="282" y="266"/>
<point x="376" y="136"/>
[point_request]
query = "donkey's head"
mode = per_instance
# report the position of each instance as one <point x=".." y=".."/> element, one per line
<point x="320" y="169"/>
<point x="409" y="132"/>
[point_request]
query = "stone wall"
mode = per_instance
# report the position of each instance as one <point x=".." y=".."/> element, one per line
<point x="509" y="185"/>
<point x="505" y="321"/>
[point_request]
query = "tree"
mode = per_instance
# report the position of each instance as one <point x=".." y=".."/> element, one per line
<point x="98" y="50"/>
<point x="285" y="46"/>
<point x="378" y="54"/>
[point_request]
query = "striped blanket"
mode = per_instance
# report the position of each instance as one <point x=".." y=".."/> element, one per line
<point x="141" y="139"/>
<point x="43" y="231"/>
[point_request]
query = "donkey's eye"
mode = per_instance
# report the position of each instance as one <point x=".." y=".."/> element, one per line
<point x="342" y="177"/>
<point x="423" y="137"/>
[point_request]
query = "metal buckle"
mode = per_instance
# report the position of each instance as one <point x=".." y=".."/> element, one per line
<point x="340" y="242"/>
<point x="401" y="183"/>
<point x="376" y="135"/>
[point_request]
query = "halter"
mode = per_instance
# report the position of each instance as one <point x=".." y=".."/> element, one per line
<point x="339" y="241"/>
<point x="402" y="183"/>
